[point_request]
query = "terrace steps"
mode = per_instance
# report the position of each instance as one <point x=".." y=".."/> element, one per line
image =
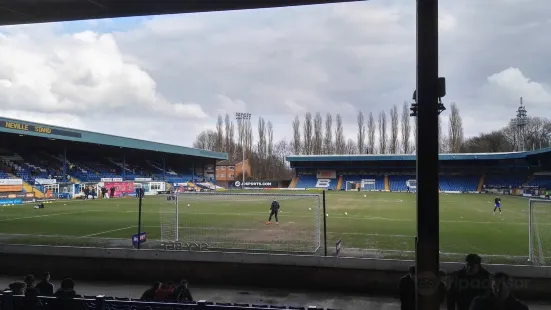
<point x="387" y="183"/>
<point x="339" y="183"/>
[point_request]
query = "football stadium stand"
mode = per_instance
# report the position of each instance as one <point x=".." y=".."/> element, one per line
<point x="41" y="155"/>
<point x="519" y="173"/>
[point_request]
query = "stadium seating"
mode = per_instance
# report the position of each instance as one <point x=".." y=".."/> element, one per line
<point x="540" y="181"/>
<point x="504" y="181"/>
<point x="398" y="182"/>
<point x="459" y="183"/>
<point x="310" y="181"/>
<point x="379" y="181"/>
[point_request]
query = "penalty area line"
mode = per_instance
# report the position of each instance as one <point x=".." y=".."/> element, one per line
<point x="107" y="231"/>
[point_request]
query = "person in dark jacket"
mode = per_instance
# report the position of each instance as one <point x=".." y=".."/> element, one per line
<point x="18" y="288"/>
<point x="149" y="294"/>
<point x="181" y="293"/>
<point x="29" y="280"/>
<point x="407" y="290"/>
<point x="45" y="287"/>
<point x="67" y="289"/>
<point x="467" y="283"/>
<point x="500" y="298"/>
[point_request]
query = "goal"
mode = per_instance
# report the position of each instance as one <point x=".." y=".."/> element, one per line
<point x="539" y="232"/>
<point x="238" y="221"/>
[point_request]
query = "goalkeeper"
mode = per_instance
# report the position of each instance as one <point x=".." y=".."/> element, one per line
<point x="274" y="209"/>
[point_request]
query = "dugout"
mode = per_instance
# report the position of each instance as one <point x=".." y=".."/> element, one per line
<point x="53" y="150"/>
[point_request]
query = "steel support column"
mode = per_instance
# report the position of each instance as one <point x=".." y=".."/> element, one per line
<point x="427" y="248"/>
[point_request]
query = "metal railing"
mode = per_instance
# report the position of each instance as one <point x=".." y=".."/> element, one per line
<point x="9" y="301"/>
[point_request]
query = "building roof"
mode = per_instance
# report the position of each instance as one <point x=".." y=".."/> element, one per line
<point x="446" y="157"/>
<point x="21" y="127"/>
<point x="40" y="11"/>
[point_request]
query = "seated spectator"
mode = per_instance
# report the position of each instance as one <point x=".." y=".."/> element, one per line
<point x="149" y="294"/>
<point x="18" y="288"/>
<point x="181" y="293"/>
<point x="30" y="302"/>
<point x="65" y="297"/>
<point x="45" y="287"/>
<point x="467" y="283"/>
<point x="407" y="290"/>
<point x="29" y="280"/>
<point x="67" y="289"/>
<point x="164" y="292"/>
<point x="500" y="297"/>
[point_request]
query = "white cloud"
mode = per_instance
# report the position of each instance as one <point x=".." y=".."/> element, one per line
<point x="177" y="73"/>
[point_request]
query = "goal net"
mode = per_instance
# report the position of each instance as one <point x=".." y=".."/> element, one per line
<point x="539" y="223"/>
<point x="238" y="221"/>
<point x="169" y="218"/>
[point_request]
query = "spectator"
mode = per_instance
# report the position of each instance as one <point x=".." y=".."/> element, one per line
<point x="30" y="302"/>
<point x="45" y="287"/>
<point x="29" y="280"/>
<point x="67" y="289"/>
<point x="65" y="295"/>
<point x="149" y="294"/>
<point x="407" y="290"/>
<point x="164" y="292"/>
<point x="500" y="297"/>
<point x="18" y="288"/>
<point x="181" y="293"/>
<point x="467" y="283"/>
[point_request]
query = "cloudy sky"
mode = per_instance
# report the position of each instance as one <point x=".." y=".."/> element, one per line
<point x="167" y="78"/>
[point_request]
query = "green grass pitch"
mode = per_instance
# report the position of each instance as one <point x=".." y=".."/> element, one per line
<point x="377" y="225"/>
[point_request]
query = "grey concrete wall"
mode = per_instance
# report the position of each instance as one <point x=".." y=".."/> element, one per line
<point x="262" y="270"/>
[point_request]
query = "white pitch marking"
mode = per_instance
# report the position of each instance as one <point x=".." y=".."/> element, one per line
<point x="107" y="231"/>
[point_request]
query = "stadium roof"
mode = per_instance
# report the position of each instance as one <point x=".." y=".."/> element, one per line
<point x="40" y="11"/>
<point x="369" y="157"/>
<point x="20" y="127"/>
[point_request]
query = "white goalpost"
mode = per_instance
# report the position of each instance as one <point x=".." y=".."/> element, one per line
<point x="539" y="232"/>
<point x="169" y="219"/>
<point x="238" y="221"/>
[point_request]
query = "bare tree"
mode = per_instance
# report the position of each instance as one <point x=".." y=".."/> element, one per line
<point x="382" y="133"/>
<point x="371" y="134"/>
<point x="228" y="143"/>
<point x="261" y="155"/>
<point x="393" y="146"/>
<point x="340" y="143"/>
<point x="442" y="138"/>
<point x="297" y="144"/>
<point x="328" y="147"/>
<point x="317" y="143"/>
<point x="361" y="133"/>
<point x="537" y="133"/>
<point x="351" y="147"/>
<point x="307" y="133"/>
<point x="455" y="130"/>
<point x="220" y="134"/>
<point x="206" y="140"/>
<point x="270" y="151"/>
<point x="406" y="129"/>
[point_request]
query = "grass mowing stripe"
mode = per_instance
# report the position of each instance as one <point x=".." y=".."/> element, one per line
<point x="44" y="215"/>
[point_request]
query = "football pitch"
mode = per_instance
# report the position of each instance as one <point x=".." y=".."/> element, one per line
<point x="375" y="225"/>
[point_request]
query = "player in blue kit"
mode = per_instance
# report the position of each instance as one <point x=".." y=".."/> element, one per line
<point x="498" y="205"/>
